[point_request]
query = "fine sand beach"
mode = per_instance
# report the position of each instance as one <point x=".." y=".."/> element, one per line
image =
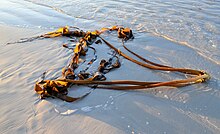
<point x="179" y="34"/>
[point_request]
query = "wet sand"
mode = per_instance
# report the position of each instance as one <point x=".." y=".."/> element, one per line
<point x="162" y="35"/>
<point x="160" y="110"/>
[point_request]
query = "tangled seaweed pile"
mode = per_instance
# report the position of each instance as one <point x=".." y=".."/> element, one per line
<point x="59" y="87"/>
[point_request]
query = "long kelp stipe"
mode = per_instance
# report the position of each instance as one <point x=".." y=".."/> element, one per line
<point x="59" y="87"/>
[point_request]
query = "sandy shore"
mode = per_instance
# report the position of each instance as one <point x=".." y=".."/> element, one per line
<point x="103" y="111"/>
<point x="174" y="33"/>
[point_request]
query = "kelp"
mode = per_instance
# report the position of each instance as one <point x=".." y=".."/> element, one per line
<point x="59" y="87"/>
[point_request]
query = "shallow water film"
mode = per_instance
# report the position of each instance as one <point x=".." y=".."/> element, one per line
<point x="174" y="33"/>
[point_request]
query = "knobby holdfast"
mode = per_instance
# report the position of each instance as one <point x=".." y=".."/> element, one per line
<point x="59" y="87"/>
